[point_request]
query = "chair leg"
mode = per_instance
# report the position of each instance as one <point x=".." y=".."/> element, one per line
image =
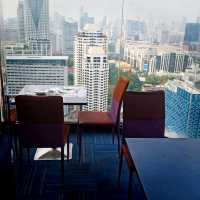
<point x="120" y="167"/>
<point x="77" y="133"/>
<point x="15" y="145"/>
<point x="21" y="151"/>
<point x="130" y="184"/>
<point x="28" y="154"/>
<point x="113" y="134"/>
<point x="80" y="142"/>
<point x="68" y="148"/>
<point x="62" y="167"/>
<point x="14" y="141"/>
<point x="118" y="139"/>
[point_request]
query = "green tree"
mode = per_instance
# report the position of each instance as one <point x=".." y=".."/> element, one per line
<point x="152" y="79"/>
<point x="113" y="74"/>
<point x="134" y="82"/>
<point x="157" y="80"/>
<point x="134" y="85"/>
<point x="71" y="61"/>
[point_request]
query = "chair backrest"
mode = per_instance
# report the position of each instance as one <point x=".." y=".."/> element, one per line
<point x="117" y="97"/>
<point x="13" y="115"/>
<point x="144" y="114"/>
<point x="40" y="121"/>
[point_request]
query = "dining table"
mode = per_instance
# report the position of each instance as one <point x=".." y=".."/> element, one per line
<point x="72" y="95"/>
<point x="167" y="168"/>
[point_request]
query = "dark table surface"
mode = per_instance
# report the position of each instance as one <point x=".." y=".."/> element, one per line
<point x="168" y="169"/>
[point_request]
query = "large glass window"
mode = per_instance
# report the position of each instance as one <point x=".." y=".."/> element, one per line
<point x="155" y="44"/>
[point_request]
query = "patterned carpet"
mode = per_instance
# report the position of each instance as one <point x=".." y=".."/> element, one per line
<point x="94" y="178"/>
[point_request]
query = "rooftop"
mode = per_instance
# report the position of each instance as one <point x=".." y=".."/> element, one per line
<point x="94" y="50"/>
<point x="155" y="48"/>
<point x="36" y="57"/>
<point x="175" y="84"/>
<point x="91" y="28"/>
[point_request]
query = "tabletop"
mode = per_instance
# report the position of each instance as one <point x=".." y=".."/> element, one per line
<point x="167" y="168"/>
<point x="72" y="95"/>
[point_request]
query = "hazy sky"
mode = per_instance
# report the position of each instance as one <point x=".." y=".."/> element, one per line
<point x="144" y="9"/>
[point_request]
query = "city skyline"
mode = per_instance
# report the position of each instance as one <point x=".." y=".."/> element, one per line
<point x="172" y="10"/>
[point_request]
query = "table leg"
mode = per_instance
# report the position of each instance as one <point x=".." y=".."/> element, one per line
<point x="8" y="109"/>
<point x="81" y="107"/>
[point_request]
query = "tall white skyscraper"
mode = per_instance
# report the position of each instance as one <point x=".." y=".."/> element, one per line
<point x="36" y="24"/>
<point x="91" y="36"/>
<point x="91" y="67"/>
<point x="95" y="75"/>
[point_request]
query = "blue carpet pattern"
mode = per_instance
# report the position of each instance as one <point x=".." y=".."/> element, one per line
<point x="94" y="178"/>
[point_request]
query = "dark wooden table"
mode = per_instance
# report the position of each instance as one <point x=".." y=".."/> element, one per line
<point x="168" y="169"/>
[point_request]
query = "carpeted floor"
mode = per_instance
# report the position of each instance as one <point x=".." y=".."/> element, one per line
<point x="94" y="178"/>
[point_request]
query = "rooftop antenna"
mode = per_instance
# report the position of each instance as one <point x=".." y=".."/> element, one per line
<point x="121" y="37"/>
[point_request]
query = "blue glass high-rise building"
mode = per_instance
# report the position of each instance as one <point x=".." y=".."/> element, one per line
<point x="182" y="109"/>
<point x="192" y="32"/>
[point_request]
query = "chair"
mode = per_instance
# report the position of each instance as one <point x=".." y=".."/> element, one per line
<point x="143" y="117"/>
<point x="104" y="119"/>
<point x="40" y="124"/>
<point x="12" y="123"/>
<point x="11" y="120"/>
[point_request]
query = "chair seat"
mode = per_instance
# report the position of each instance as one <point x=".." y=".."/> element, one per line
<point x="95" y="118"/>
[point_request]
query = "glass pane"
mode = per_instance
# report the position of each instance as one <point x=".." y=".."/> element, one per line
<point x="91" y="43"/>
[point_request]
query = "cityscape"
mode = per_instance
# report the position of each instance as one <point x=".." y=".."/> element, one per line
<point x="39" y="47"/>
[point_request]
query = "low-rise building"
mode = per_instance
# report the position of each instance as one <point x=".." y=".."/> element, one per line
<point x="155" y="58"/>
<point x="35" y="70"/>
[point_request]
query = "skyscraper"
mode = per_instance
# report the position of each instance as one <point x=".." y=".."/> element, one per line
<point x="70" y="30"/>
<point x="1" y="21"/>
<point x="135" y="30"/>
<point x="56" y="33"/>
<point x="91" y="36"/>
<point x="192" y="32"/>
<point x="95" y="76"/>
<point x="182" y="108"/>
<point x="91" y="68"/>
<point x="36" y="24"/>
<point x="11" y="29"/>
<point x="20" y="19"/>
<point x="192" y="37"/>
<point x="85" y="19"/>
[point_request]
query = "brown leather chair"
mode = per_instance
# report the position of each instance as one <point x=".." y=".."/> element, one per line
<point x="104" y="119"/>
<point x="143" y="117"/>
<point x="40" y="123"/>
